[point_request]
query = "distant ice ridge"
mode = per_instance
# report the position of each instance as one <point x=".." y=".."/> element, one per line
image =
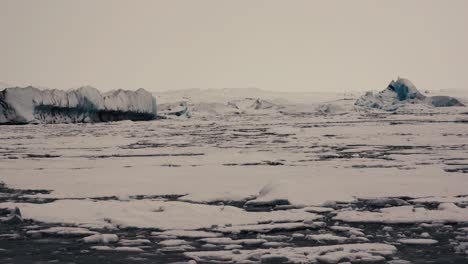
<point x="401" y="92"/>
<point x="85" y="104"/>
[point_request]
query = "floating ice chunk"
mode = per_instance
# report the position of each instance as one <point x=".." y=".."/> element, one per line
<point x="447" y="212"/>
<point x="359" y="257"/>
<point x="417" y="241"/>
<point x="173" y="242"/>
<point x="387" y="228"/>
<point x="10" y="236"/>
<point x="62" y="231"/>
<point x="265" y="228"/>
<point x="187" y="233"/>
<point x="125" y="249"/>
<point x="461" y="248"/>
<point x="101" y="238"/>
<point x="179" y="109"/>
<point x="443" y="101"/>
<point x="398" y="261"/>
<point x="448" y="207"/>
<point x="276" y="244"/>
<point x="350" y="230"/>
<point x="180" y="248"/>
<point x="298" y="235"/>
<point x="134" y="242"/>
<point x="274" y="237"/>
<point x="336" y="253"/>
<point x="440" y="199"/>
<point x="425" y="235"/>
<point x="229" y="241"/>
<point x="319" y="210"/>
<point x="141" y="213"/>
<point x="230" y="247"/>
<point x="326" y="237"/>
<point x="102" y="248"/>
<point x="218" y="240"/>
<point x="128" y="249"/>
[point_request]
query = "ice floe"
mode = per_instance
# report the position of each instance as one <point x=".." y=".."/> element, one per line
<point x="187" y="233"/>
<point x="145" y="214"/>
<point x="62" y="231"/>
<point x="445" y="213"/>
<point x="327" y="254"/>
<point x="101" y="238"/>
<point x="417" y="241"/>
<point x="124" y="249"/>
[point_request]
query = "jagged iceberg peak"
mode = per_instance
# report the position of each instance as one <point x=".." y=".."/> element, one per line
<point x="404" y="89"/>
<point x="84" y="104"/>
<point x="401" y="92"/>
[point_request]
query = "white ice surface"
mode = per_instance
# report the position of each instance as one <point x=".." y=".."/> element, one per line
<point x="446" y="213"/>
<point x="125" y="159"/>
<point x="326" y="237"/>
<point x="63" y="231"/>
<point x="327" y="254"/>
<point x="101" y="238"/>
<point x="146" y="214"/>
<point x="187" y="233"/>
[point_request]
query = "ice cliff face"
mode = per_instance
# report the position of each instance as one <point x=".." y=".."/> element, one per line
<point x="401" y="92"/>
<point x="85" y="104"/>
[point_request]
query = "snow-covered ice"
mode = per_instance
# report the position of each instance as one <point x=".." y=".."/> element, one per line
<point x="327" y="254"/>
<point x="445" y="213"/>
<point x="101" y="238"/>
<point x="264" y="177"/>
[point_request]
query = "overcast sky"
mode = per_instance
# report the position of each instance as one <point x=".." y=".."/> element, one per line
<point x="274" y="45"/>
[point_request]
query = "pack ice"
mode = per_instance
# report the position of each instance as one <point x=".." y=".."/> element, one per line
<point x="401" y="92"/>
<point x="85" y="104"/>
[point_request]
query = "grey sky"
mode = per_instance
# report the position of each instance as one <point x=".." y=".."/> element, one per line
<point x="274" y="45"/>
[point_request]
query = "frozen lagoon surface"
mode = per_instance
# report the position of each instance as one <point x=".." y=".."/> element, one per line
<point x="275" y="184"/>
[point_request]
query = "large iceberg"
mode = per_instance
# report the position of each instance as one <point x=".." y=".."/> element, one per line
<point x="401" y="92"/>
<point x="85" y="104"/>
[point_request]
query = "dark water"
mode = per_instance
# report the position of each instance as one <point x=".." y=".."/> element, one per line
<point x="59" y="249"/>
<point x="22" y="248"/>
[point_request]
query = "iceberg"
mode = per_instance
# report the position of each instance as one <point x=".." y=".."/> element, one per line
<point x="85" y="104"/>
<point x="401" y="92"/>
<point x="179" y="109"/>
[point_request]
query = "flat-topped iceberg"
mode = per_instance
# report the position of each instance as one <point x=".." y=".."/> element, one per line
<point x="401" y="92"/>
<point x="85" y="104"/>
